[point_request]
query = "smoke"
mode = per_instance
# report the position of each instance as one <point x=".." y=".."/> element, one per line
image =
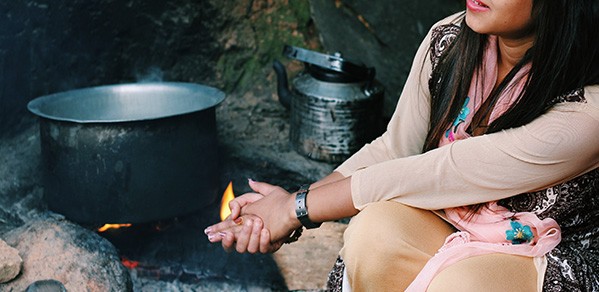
<point x="152" y="74"/>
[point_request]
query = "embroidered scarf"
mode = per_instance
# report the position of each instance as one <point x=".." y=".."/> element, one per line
<point x="482" y="85"/>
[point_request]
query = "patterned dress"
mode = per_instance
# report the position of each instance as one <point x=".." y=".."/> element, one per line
<point x="574" y="264"/>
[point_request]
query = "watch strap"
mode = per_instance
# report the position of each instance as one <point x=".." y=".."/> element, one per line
<point x="301" y="211"/>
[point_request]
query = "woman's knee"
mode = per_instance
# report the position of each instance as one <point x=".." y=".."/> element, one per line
<point x="493" y="272"/>
<point x="369" y="232"/>
<point x="383" y="227"/>
<point x="388" y="242"/>
<point x="370" y="249"/>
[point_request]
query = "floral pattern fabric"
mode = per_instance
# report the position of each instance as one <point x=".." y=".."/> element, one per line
<point x="574" y="264"/>
<point x="461" y="118"/>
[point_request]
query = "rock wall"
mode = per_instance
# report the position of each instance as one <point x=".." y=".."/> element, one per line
<point x="384" y="34"/>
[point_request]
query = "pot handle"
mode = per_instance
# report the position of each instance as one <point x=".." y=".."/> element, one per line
<point x="282" y="84"/>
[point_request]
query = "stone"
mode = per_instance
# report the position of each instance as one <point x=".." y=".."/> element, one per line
<point x="10" y="262"/>
<point x="306" y="264"/>
<point x="53" y="248"/>
<point x="46" y="286"/>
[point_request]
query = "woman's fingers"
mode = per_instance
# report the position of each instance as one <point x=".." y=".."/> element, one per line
<point x="246" y="234"/>
<point x="255" y="223"/>
<point x="235" y="207"/>
<point x="266" y="246"/>
<point x="277" y="211"/>
<point x="236" y="204"/>
<point x="243" y="237"/>
<point x="262" y="187"/>
<point x="255" y="237"/>
<point x="228" y="241"/>
<point x="213" y="230"/>
<point x="264" y="241"/>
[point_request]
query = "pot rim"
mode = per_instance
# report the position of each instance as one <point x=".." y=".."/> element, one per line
<point x="127" y="102"/>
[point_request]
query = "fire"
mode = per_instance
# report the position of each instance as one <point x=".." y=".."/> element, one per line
<point x="129" y="263"/>
<point x="113" y="226"/>
<point x="228" y="195"/>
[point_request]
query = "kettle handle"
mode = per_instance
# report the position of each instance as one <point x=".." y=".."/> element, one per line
<point x="331" y="62"/>
<point x="282" y="84"/>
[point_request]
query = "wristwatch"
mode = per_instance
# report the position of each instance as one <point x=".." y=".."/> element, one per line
<point x="300" y="208"/>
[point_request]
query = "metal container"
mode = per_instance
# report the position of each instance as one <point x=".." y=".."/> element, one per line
<point x="335" y="105"/>
<point x="129" y="153"/>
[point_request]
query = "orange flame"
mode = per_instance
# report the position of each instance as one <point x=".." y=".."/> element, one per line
<point x="129" y="263"/>
<point x="228" y="195"/>
<point x="113" y="226"/>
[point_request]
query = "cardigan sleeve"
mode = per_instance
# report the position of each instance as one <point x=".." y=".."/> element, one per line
<point x="556" y="147"/>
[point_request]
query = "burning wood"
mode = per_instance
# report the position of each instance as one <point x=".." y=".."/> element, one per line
<point x="113" y="226"/>
<point x="129" y="263"/>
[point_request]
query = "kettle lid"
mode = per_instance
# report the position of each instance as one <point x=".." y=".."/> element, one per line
<point x="331" y="68"/>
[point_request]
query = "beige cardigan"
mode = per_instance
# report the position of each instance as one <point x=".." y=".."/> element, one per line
<point x="556" y="147"/>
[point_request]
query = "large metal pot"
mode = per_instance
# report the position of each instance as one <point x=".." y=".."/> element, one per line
<point x="129" y="153"/>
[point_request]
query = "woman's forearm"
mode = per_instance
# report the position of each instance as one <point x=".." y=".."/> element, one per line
<point x="331" y="178"/>
<point x="331" y="200"/>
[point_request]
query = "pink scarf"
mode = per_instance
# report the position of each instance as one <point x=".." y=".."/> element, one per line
<point x="480" y="89"/>
<point x="494" y="229"/>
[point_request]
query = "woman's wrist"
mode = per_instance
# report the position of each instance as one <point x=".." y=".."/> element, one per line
<point x="330" y="202"/>
<point x="301" y="208"/>
<point x="298" y="217"/>
<point x="292" y="220"/>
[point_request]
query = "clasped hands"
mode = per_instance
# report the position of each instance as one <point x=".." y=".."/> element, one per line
<point x="260" y="221"/>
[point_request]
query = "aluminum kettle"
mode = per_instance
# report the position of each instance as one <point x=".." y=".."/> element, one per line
<point x="335" y="104"/>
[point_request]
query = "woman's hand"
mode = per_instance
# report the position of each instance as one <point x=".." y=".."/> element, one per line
<point x="260" y="221"/>
<point x="237" y="203"/>
<point x="276" y="209"/>
<point x="243" y="234"/>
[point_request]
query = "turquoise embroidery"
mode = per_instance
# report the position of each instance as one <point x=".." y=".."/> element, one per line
<point x="461" y="118"/>
<point x="519" y="234"/>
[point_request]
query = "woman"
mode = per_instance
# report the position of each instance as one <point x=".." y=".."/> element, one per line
<point x="487" y="177"/>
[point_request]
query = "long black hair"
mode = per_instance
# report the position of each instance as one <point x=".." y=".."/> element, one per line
<point x="564" y="57"/>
